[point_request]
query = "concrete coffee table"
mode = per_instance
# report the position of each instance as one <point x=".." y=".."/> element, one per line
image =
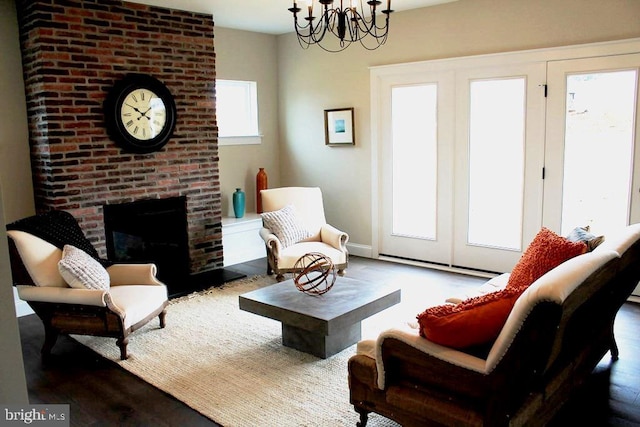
<point x="322" y="325"/>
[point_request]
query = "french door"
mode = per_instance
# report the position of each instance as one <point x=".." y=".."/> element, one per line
<point x="499" y="160"/>
<point x="592" y="130"/>
<point x="417" y="167"/>
<point x="455" y="189"/>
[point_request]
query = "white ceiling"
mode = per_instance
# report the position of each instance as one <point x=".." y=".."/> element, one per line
<point x="263" y="16"/>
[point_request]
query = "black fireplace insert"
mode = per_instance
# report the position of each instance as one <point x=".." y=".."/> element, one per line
<point x="151" y="230"/>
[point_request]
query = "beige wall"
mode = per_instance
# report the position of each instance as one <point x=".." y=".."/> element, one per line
<point x="243" y="55"/>
<point x="15" y="168"/>
<point x="313" y="80"/>
<point x="16" y="200"/>
<point x="13" y="385"/>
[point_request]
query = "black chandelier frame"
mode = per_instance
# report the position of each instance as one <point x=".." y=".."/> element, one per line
<point x="348" y="24"/>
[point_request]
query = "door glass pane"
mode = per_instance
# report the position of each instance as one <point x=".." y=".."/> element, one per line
<point x="598" y="150"/>
<point x="414" y="151"/>
<point x="496" y="162"/>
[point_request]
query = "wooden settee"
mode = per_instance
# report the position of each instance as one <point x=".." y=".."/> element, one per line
<point x="557" y="332"/>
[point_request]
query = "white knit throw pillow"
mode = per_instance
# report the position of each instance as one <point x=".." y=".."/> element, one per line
<point x="285" y="224"/>
<point x="80" y="270"/>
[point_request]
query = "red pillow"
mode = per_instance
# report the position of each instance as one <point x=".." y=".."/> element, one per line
<point x="474" y="321"/>
<point x="546" y="251"/>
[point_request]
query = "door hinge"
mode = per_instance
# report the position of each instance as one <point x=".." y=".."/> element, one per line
<point x="546" y="88"/>
<point x="543" y="172"/>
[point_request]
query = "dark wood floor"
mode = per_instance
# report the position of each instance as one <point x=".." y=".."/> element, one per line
<point x="100" y="393"/>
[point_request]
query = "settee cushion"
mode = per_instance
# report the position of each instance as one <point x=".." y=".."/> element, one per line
<point x="492" y="285"/>
<point x="286" y="225"/>
<point x="82" y="271"/>
<point x="545" y="252"/>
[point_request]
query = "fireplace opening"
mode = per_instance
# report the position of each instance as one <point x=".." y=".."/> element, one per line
<point x="153" y="230"/>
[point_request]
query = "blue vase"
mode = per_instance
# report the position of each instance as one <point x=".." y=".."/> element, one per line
<point x="238" y="203"/>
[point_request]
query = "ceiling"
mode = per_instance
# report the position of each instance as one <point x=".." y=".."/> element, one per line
<point x="263" y="16"/>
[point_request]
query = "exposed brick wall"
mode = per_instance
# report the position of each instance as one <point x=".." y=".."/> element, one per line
<point x="73" y="52"/>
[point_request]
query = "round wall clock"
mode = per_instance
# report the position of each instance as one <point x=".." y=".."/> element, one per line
<point x="140" y="113"/>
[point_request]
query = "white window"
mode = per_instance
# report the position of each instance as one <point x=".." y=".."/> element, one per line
<point x="237" y="112"/>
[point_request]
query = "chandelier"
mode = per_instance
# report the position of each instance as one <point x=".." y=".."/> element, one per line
<point x="349" y="24"/>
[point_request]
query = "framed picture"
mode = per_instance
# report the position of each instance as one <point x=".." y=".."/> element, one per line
<point x="338" y="127"/>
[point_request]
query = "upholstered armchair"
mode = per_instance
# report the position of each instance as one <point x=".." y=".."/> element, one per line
<point x="58" y="273"/>
<point x="294" y="224"/>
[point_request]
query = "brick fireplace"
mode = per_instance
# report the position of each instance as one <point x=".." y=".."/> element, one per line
<point x="73" y="53"/>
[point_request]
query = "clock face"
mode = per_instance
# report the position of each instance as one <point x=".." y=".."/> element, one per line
<point x="140" y="113"/>
<point x="143" y="114"/>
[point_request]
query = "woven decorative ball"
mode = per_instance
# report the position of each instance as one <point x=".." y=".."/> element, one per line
<point x="317" y="273"/>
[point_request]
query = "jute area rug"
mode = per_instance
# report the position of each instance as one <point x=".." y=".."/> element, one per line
<point x="231" y="366"/>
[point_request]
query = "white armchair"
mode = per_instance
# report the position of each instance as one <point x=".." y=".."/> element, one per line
<point x="306" y="206"/>
<point x="113" y="302"/>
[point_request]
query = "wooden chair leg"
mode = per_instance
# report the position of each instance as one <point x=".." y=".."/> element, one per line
<point x="269" y="266"/>
<point x="615" y="353"/>
<point x="162" y="317"/>
<point x="122" y="343"/>
<point x="364" y="417"/>
<point x="50" y="338"/>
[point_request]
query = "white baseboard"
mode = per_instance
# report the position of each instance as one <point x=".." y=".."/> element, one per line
<point x="440" y="267"/>
<point x="364" y="251"/>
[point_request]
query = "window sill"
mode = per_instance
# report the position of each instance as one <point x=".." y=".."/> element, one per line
<point x="240" y="140"/>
